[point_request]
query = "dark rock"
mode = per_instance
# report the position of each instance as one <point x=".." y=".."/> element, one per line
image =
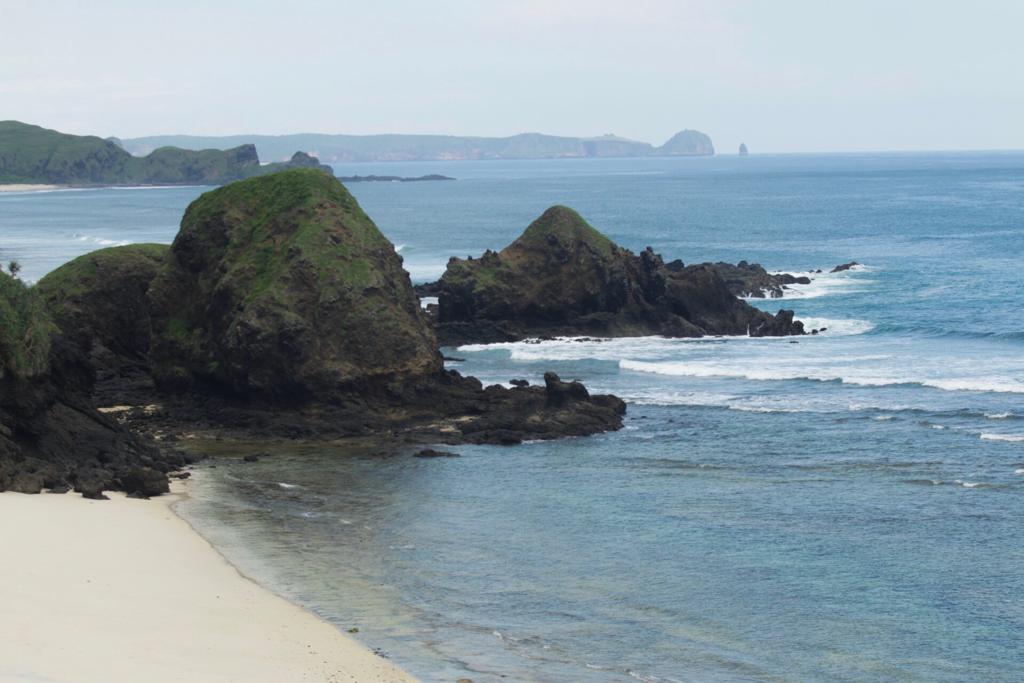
<point x="751" y="280"/>
<point x="519" y="383"/>
<point x="50" y="434"/>
<point x="844" y="266"/>
<point x="179" y="475"/>
<point x="99" y="302"/>
<point x="144" y="482"/>
<point x="252" y="457"/>
<point x="562" y="277"/>
<point x="259" y="281"/>
<point x="431" y="453"/>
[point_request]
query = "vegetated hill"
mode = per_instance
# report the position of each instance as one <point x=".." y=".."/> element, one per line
<point x="298" y="294"/>
<point x="31" y="154"/>
<point x="348" y="148"/>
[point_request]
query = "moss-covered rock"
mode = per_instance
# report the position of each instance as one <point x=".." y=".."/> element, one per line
<point x="25" y="330"/>
<point x="99" y="301"/>
<point x="50" y="434"/>
<point x="563" y="277"/>
<point x="281" y="286"/>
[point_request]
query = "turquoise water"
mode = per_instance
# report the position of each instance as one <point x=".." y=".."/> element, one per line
<point x="845" y="508"/>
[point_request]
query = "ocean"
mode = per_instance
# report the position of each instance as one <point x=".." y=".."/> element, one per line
<point x="845" y="507"/>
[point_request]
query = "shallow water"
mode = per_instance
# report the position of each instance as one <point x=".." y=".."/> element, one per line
<point x="845" y="508"/>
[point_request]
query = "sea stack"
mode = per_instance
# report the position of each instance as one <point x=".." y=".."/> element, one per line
<point x="743" y="149"/>
<point x="281" y="286"/>
<point x="562" y="277"/>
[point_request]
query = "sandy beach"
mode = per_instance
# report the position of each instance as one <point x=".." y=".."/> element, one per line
<point x="28" y="188"/>
<point x="125" y="590"/>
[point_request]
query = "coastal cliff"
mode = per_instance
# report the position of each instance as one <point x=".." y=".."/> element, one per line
<point x="562" y="277"/>
<point x="31" y="154"/>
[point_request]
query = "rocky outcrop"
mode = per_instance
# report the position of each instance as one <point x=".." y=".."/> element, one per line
<point x="743" y="149"/>
<point x="281" y="310"/>
<point x="50" y="435"/>
<point x="298" y="160"/>
<point x="751" y="280"/>
<point x="562" y="277"/>
<point x="844" y="267"/>
<point x="281" y="287"/>
<point x="99" y="302"/>
<point x="687" y="143"/>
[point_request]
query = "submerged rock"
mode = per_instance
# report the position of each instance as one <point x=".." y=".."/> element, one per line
<point x="844" y="267"/>
<point x="562" y="277"/>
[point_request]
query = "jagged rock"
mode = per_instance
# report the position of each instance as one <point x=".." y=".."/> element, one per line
<point x="752" y="280"/>
<point x="844" y="266"/>
<point x="743" y="149"/>
<point x="562" y="277"/>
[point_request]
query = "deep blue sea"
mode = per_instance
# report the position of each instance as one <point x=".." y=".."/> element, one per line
<point x="849" y="507"/>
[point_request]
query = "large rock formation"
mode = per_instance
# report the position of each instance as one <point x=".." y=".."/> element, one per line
<point x="280" y="286"/>
<point x="563" y="277"/>
<point x="99" y="301"/>
<point x="50" y="435"/>
<point x="687" y="143"/>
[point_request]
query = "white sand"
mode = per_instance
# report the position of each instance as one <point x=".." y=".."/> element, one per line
<point x="125" y="590"/>
<point x="28" y="188"/>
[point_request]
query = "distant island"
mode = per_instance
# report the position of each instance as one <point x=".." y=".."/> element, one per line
<point x="31" y="154"/>
<point x="391" y="178"/>
<point x="350" y="148"/>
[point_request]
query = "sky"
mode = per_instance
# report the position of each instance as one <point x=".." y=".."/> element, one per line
<point x="780" y="75"/>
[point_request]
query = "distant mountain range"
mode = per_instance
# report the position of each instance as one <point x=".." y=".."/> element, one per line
<point x="348" y="148"/>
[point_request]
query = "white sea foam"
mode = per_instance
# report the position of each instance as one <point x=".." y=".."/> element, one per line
<point x="287" y="486"/>
<point x="836" y="327"/>
<point x="100" y="241"/>
<point x="967" y="484"/>
<point x="819" y="373"/>
<point x="427" y="301"/>
<point x="1011" y="438"/>
<point x="827" y="284"/>
<point x="998" y="416"/>
<point x="399" y="248"/>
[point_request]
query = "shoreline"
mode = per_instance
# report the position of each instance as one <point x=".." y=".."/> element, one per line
<point x="29" y="187"/>
<point x="128" y="590"/>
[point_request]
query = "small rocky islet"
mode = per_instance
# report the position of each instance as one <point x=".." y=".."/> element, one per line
<point x="281" y="312"/>
<point x="562" y="277"/>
